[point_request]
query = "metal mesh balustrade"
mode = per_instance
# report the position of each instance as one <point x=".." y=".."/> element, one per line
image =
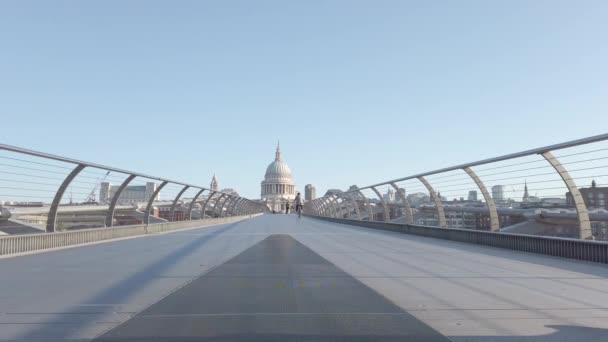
<point x="554" y="191"/>
<point x="32" y="242"/>
<point x="585" y="250"/>
<point x="40" y="192"/>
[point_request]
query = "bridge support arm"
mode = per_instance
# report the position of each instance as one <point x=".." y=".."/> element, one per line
<point x="174" y="204"/>
<point x="437" y="200"/>
<point x="53" y="210"/>
<point x="314" y="207"/>
<point x="241" y="207"/>
<point x="332" y="207"/>
<point x="211" y="194"/>
<point x="217" y="201"/>
<point x="151" y="201"/>
<point x="326" y="210"/>
<point x="370" y="211"/>
<point x="320" y="206"/>
<point x="246" y="208"/>
<point x="233" y="205"/>
<point x="383" y="203"/>
<point x="109" y="222"/>
<point x="191" y="206"/>
<point x="406" y="204"/>
<point x="337" y="212"/>
<point x="584" y="223"/>
<point x="347" y="204"/>
<point x="225" y="205"/>
<point x="355" y="205"/>
<point x="249" y="208"/>
<point x="494" y="221"/>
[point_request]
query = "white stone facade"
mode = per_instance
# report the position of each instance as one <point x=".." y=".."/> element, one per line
<point x="278" y="187"/>
<point x="132" y="194"/>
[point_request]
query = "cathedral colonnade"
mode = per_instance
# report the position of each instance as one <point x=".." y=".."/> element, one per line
<point x="278" y="187"/>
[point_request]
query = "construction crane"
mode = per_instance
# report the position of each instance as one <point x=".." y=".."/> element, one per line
<point x="92" y="198"/>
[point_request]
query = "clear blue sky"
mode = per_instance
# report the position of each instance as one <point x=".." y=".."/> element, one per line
<point x="357" y="91"/>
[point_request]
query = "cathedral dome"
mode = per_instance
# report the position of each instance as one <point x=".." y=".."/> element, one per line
<point x="278" y="170"/>
<point x="278" y="188"/>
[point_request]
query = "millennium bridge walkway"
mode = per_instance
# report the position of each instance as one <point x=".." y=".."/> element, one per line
<point x="302" y="279"/>
<point x="403" y="260"/>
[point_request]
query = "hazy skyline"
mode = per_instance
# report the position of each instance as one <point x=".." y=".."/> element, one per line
<point x="356" y="91"/>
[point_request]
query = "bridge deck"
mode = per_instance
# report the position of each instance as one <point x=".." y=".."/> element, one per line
<point x="279" y="277"/>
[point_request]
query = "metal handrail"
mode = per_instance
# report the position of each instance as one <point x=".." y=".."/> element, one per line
<point x="253" y="208"/>
<point x="533" y="151"/>
<point x="584" y="223"/>
<point x="94" y="165"/>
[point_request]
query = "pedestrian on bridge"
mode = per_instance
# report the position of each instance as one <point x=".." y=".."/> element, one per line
<point x="298" y="201"/>
<point x="287" y="208"/>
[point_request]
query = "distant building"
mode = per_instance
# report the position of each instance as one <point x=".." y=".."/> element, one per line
<point x="278" y="188"/>
<point x="214" y="184"/>
<point x="594" y="197"/>
<point x="389" y="196"/>
<point x="498" y="193"/>
<point x="472" y="195"/>
<point x="230" y="191"/>
<point x="418" y="198"/>
<point x="310" y="192"/>
<point x="553" y="202"/>
<point x="526" y="196"/>
<point x="130" y="195"/>
<point x="178" y="214"/>
<point x="332" y="192"/>
<point x="442" y="198"/>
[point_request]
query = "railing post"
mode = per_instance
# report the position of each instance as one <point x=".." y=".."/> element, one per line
<point x="584" y="223"/>
<point x="494" y="221"/>
<point x="437" y="200"/>
<point x="151" y="201"/>
<point x="52" y="216"/>
<point x="347" y="205"/>
<point x="384" y="206"/>
<point x="323" y="206"/>
<point x="228" y="198"/>
<point x="406" y="203"/>
<point x="331" y="207"/>
<point x="220" y="207"/>
<point x="320" y="206"/>
<point x="344" y="205"/>
<point x="213" y="210"/>
<point x="326" y="207"/>
<point x="191" y="206"/>
<point x="356" y="205"/>
<point x="336" y="212"/>
<point x="175" y="202"/>
<point x="239" y="207"/>
<point x="370" y="212"/>
<point x="109" y="222"/>
<point x="234" y="206"/>
<point x="339" y="206"/>
<point x="312" y="206"/>
<point x="211" y="194"/>
<point x="248" y="208"/>
<point x="230" y="205"/>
